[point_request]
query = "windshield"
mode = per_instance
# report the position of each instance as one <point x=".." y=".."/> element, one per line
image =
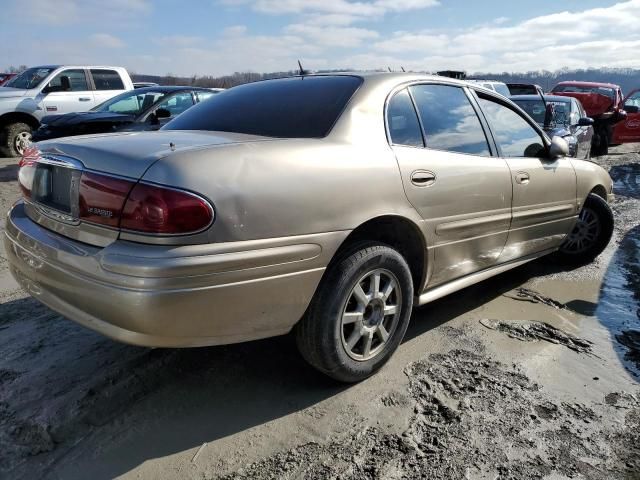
<point x="536" y="110"/>
<point x="607" y="92"/>
<point x="297" y="107"/>
<point x="131" y="103"/>
<point x="30" y="78"/>
<point x="502" y="89"/>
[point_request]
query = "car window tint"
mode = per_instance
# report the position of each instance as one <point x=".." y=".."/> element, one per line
<point x="402" y="120"/>
<point x="107" y="79"/>
<point x="295" y="107"/>
<point x="177" y="103"/>
<point x="450" y="122"/>
<point x="515" y="136"/>
<point x="75" y="81"/>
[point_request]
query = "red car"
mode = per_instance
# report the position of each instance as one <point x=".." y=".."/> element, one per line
<point x="5" y="77"/>
<point x="605" y="104"/>
<point x="628" y="131"/>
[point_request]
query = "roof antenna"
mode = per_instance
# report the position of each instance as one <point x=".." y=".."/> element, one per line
<point x="403" y="69"/>
<point x="389" y="68"/>
<point x="302" y="70"/>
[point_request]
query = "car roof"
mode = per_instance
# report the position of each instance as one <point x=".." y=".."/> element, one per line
<point x="588" y="84"/>
<point x="167" y="88"/>
<point x="549" y="98"/>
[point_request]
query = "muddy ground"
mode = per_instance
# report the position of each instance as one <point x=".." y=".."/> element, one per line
<point x="531" y="374"/>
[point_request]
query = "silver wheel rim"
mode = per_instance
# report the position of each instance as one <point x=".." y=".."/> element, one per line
<point x="584" y="234"/>
<point x="371" y="314"/>
<point x="22" y="142"/>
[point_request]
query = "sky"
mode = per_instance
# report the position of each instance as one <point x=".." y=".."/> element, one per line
<point x="218" y="37"/>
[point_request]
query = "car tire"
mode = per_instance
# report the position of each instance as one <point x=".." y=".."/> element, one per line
<point x="14" y="137"/>
<point x="591" y="234"/>
<point x="359" y="313"/>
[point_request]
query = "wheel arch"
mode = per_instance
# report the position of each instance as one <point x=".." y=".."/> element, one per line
<point x="398" y="232"/>
<point x="15" y="117"/>
<point x="600" y="190"/>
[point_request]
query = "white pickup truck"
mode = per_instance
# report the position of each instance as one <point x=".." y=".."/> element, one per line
<point x="52" y="89"/>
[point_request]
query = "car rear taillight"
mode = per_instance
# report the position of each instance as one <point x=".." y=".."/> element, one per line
<point x="101" y="198"/>
<point x="27" y="170"/>
<point x="141" y="207"/>
<point x="161" y="210"/>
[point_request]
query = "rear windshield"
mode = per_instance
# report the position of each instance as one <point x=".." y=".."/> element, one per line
<point x="606" y="91"/>
<point x="298" y="107"/>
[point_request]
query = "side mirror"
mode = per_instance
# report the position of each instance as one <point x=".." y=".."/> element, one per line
<point x="559" y="148"/>
<point x="631" y="108"/>
<point x="163" y="113"/>
<point x="585" y="122"/>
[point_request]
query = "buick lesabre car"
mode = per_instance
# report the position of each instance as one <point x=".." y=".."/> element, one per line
<point x="329" y="205"/>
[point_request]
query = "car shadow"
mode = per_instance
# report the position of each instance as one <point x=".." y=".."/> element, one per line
<point x="9" y="173"/>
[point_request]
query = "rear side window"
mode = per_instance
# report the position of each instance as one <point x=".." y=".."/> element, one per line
<point x="402" y="120"/>
<point x="450" y="123"/>
<point x="297" y="107"/>
<point x="515" y="136"/>
<point x="106" y="79"/>
<point x="202" y="96"/>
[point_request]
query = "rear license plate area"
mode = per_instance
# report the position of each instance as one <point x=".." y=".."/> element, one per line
<point x="52" y="187"/>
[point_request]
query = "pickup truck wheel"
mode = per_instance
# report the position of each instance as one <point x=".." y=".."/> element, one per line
<point x="591" y="234"/>
<point x="14" y="139"/>
<point x="359" y="313"/>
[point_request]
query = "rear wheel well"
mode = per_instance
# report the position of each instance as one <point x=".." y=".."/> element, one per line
<point x="397" y="232"/>
<point x="600" y="191"/>
<point x="19" y="117"/>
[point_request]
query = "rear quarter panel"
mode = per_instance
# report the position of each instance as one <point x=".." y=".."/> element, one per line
<point x="288" y="187"/>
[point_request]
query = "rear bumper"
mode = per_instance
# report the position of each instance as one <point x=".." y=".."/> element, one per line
<point x="171" y="296"/>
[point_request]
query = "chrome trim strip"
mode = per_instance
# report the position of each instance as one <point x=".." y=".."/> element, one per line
<point x="455" y="285"/>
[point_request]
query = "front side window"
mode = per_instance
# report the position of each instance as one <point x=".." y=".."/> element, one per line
<point x="513" y="134"/>
<point x="132" y="102"/>
<point x="450" y="123"/>
<point x="537" y="110"/>
<point x="177" y="103"/>
<point x="402" y="120"/>
<point x="106" y="79"/>
<point x="69" y="81"/>
<point x="296" y="107"/>
<point x="633" y="100"/>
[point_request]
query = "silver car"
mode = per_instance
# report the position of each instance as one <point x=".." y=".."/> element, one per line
<point x="328" y="204"/>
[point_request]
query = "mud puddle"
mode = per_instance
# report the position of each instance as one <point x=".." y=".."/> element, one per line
<point x="534" y="331"/>
<point x="473" y="418"/>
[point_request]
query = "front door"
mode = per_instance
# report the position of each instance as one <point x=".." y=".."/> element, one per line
<point x="68" y="92"/>
<point x="628" y="131"/>
<point x="462" y="192"/>
<point x="544" y="190"/>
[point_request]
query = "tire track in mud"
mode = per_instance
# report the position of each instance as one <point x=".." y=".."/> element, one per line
<point x="473" y="418"/>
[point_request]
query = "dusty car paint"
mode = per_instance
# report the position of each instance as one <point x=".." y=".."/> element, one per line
<point x="284" y="207"/>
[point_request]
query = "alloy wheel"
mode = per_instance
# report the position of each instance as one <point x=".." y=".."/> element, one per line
<point x="584" y="234"/>
<point x="22" y="142"/>
<point x="370" y="315"/>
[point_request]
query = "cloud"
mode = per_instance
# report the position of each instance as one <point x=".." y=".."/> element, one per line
<point x="331" y="36"/>
<point x="105" y="40"/>
<point x="68" y="12"/>
<point x="178" y="40"/>
<point x="234" y="30"/>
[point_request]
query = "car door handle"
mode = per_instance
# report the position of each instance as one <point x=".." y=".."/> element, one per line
<point x="522" y="178"/>
<point x="84" y="99"/>
<point x="423" y="178"/>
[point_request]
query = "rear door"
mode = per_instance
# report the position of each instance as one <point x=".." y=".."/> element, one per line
<point x="107" y="84"/>
<point x="462" y="192"/>
<point x="544" y="205"/>
<point x="69" y="91"/>
<point x="628" y="131"/>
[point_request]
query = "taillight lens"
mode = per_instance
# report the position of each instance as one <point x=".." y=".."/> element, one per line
<point x="161" y="210"/>
<point x="27" y="170"/>
<point x="101" y="198"/>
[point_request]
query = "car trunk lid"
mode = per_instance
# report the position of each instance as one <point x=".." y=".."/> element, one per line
<point x="58" y="177"/>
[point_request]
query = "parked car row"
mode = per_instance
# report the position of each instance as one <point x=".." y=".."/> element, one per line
<point x="616" y="119"/>
<point x="50" y="100"/>
<point x="327" y="205"/>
